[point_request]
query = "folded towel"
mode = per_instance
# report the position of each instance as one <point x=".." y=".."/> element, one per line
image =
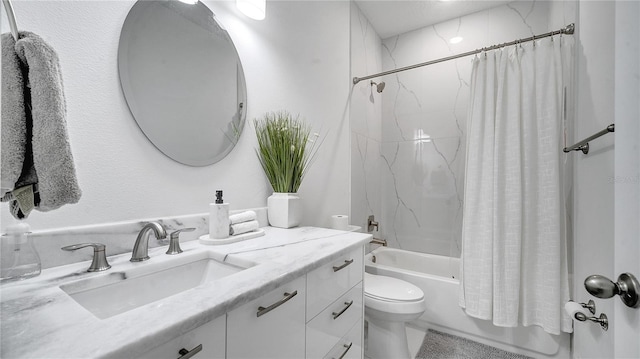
<point x="37" y="146"/>
<point x="14" y="119"/>
<point x="243" y="227"/>
<point x="245" y="216"/>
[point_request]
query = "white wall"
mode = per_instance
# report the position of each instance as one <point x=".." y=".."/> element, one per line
<point x="593" y="173"/>
<point x="297" y="59"/>
<point x="627" y="170"/>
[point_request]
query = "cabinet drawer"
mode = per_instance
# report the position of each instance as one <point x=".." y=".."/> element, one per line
<point x="327" y="283"/>
<point x="333" y="323"/>
<point x="277" y="333"/>
<point x="349" y="346"/>
<point x="211" y="336"/>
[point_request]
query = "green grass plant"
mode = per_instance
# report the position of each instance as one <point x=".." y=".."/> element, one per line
<point x="286" y="149"/>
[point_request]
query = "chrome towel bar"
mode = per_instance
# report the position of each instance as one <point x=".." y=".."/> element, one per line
<point x="584" y="144"/>
<point x="11" y="17"/>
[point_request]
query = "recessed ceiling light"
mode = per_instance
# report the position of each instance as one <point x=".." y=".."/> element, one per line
<point x="190" y="2"/>
<point x="455" y="40"/>
<point x="254" y="9"/>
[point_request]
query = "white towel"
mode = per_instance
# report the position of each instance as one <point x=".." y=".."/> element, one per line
<point x="36" y="147"/>
<point x="245" y="216"/>
<point x="243" y="227"/>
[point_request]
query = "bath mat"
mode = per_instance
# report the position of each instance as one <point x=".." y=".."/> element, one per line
<point x="446" y="346"/>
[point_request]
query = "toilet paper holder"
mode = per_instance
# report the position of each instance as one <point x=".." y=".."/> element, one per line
<point x="602" y="320"/>
<point x="591" y="306"/>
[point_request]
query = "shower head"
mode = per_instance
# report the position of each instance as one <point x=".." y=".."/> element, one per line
<point x="379" y="87"/>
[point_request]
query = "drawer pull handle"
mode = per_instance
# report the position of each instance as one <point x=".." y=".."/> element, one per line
<point x="287" y="296"/>
<point x="186" y="354"/>
<point x="347" y="305"/>
<point x="347" y="346"/>
<point x="346" y="263"/>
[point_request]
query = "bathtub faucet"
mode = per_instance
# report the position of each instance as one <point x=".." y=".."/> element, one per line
<point x="383" y="242"/>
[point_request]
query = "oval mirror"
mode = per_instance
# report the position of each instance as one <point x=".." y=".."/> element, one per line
<point x="182" y="80"/>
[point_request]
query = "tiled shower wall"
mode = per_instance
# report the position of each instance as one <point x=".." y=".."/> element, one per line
<point x="416" y="186"/>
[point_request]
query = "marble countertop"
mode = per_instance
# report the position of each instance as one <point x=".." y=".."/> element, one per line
<point x="39" y="320"/>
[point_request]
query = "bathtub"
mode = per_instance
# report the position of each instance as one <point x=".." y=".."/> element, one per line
<point x="437" y="276"/>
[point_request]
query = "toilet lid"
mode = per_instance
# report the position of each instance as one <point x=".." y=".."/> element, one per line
<point x="390" y="289"/>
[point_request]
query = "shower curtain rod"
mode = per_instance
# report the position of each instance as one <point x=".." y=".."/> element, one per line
<point x="11" y="17"/>
<point x="569" y="29"/>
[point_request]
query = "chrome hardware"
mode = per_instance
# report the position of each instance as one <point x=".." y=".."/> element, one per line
<point x="627" y="287"/>
<point x="602" y="320"/>
<point x="186" y="354"/>
<point x="383" y="242"/>
<point x="591" y="305"/>
<point x="346" y="263"/>
<point x="371" y="224"/>
<point x="99" y="262"/>
<point x="174" y="240"/>
<point x="347" y="305"/>
<point x="584" y="144"/>
<point x="141" y="247"/>
<point x="287" y="296"/>
<point x="347" y="346"/>
<point x="569" y="29"/>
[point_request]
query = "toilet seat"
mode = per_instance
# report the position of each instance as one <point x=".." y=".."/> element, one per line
<point x="387" y="296"/>
<point x="390" y="289"/>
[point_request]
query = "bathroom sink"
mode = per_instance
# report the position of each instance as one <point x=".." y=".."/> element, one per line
<point x="114" y="292"/>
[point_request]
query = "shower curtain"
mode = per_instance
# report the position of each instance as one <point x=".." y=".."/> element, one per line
<point x="514" y="259"/>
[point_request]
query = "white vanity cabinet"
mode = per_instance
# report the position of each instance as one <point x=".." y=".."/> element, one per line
<point x="335" y="308"/>
<point x="271" y="326"/>
<point x="318" y="315"/>
<point x="206" y="341"/>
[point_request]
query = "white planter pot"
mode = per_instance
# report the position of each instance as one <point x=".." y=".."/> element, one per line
<point x="284" y="210"/>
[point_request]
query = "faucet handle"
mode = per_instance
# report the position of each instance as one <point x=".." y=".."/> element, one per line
<point x="174" y="240"/>
<point x="99" y="262"/>
<point x="372" y="224"/>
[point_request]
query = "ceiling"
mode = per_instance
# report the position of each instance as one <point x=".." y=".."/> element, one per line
<point x="393" y="17"/>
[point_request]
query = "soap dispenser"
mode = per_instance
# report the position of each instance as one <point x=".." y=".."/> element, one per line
<point x="19" y="258"/>
<point x="219" y="218"/>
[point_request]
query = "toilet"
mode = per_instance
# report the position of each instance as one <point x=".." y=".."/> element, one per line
<point x="389" y="304"/>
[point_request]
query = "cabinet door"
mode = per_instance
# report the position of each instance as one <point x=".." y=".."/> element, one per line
<point x="210" y="336"/>
<point x="333" y="323"/>
<point x="332" y="280"/>
<point x="350" y="346"/>
<point x="272" y="326"/>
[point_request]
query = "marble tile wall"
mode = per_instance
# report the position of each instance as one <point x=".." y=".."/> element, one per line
<point x="423" y="123"/>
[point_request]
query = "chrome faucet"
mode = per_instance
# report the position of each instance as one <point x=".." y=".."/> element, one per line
<point x="382" y="242"/>
<point x="141" y="247"/>
<point x="99" y="262"/>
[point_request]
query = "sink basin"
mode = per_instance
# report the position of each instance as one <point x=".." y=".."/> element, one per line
<point x="114" y="292"/>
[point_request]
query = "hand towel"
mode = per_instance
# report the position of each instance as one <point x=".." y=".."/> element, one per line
<point x="243" y="227"/>
<point x="245" y="216"/>
<point x="43" y="121"/>
<point x="14" y="119"/>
